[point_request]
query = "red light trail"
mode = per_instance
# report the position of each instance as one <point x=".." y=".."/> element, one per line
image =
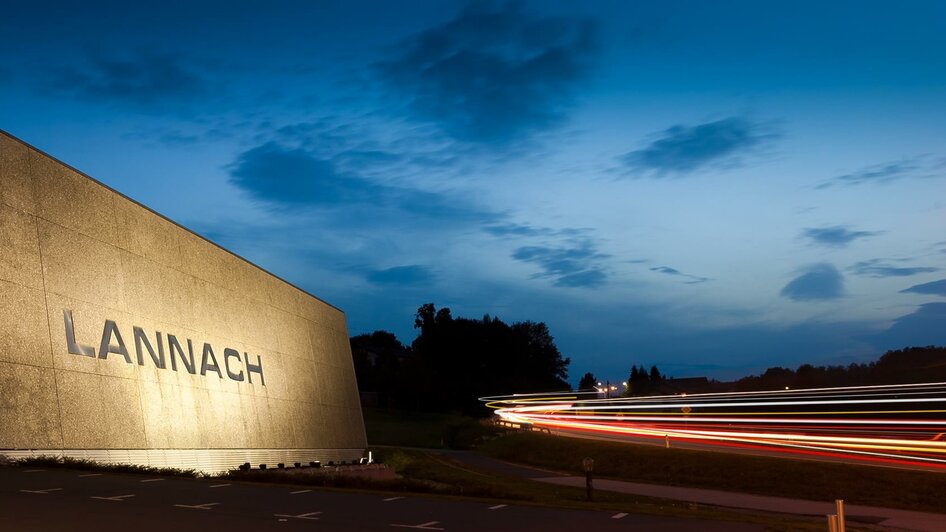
<point x="903" y="424"/>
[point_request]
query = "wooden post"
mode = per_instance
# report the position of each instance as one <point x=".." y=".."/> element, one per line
<point x="588" y="465"/>
<point x="839" y="504"/>
<point x="832" y="523"/>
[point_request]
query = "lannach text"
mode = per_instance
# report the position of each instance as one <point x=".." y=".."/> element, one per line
<point x="113" y="343"/>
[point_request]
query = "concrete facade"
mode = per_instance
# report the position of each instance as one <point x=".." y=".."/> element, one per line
<point x="70" y="246"/>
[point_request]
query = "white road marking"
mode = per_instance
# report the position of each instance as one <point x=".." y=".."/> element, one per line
<point x="90" y="475"/>
<point x="618" y="516"/>
<point x="205" y="506"/>
<point x="311" y="516"/>
<point x="298" y="492"/>
<point x="422" y="526"/>
<point x="498" y="506"/>
<point x="34" y="470"/>
<point x="41" y="492"/>
<point x="219" y="485"/>
<point x="117" y="498"/>
<point x="152" y="480"/>
<point x="389" y="499"/>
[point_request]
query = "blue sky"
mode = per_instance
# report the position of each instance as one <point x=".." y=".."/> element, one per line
<point x="712" y="187"/>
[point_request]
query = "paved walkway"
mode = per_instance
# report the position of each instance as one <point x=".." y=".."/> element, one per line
<point x="887" y="517"/>
<point x="854" y="513"/>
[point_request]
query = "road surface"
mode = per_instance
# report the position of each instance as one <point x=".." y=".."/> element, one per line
<point x="34" y="499"/>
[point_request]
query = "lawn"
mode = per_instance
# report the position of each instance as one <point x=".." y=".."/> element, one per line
<point x="427" y="430"/>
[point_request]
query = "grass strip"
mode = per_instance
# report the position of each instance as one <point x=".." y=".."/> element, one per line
<point x="429" y="430"/>
<point x="100" y="467"/>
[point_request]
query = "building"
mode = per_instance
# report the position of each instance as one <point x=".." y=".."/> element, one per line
<point x="125" y="337"/>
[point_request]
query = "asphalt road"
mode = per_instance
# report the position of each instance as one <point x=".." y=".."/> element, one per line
<point x="899" y="426"/>
<point x="717" y="448"/>
<point x="64" y="499"/>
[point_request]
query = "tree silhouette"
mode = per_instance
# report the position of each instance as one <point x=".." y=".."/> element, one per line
<point x="901" y="366"/>
<point x="655" y="376"/>
<point x="587" y="382"/>
<point x="642" y="382"/>
<point x="454" y="361"/>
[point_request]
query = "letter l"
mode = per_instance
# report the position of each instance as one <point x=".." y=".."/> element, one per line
<point x="75" y="348"/>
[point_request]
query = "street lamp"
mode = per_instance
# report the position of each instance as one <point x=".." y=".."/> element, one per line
<point x="607" y="388"/>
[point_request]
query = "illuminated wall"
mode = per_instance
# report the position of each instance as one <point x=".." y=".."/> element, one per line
<point x="125" y="337"/>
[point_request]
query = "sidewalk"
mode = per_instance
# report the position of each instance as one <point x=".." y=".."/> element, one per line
<point x="886" y="517"/>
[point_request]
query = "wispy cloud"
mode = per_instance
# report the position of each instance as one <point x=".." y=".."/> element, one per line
<point x="836" y="236"/>
<point x="579" y="264"/>
<point x="514" y="230"/>
<point x="364" y="146"/>
<point x="921" y="166"/>
<point x="583" y="279"/>
<point x="517" y="230"/>
<point x="690" y="279"/>
<point x="883" y="268"/>
<point x="494" y="74"/>
<point x="936" y="288"/>
<point x="144" y="79"/>
<point x="816" y="282"/>
<point x="683" y="149"/>
<point x="401" y="275"/>
<point x="286" y="176"/>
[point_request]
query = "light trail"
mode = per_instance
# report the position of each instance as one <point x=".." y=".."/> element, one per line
<point x="903" y="424"/>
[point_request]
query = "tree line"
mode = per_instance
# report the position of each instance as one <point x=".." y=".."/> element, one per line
<point x="453" y="361"/>
<point x="640" y="381"/>
<point x="901" y="366"/>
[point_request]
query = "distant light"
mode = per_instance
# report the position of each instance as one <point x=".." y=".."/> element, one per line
<point x="786" y="387"/>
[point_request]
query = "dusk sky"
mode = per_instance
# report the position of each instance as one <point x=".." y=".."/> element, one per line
<point x="711" y="187"/>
